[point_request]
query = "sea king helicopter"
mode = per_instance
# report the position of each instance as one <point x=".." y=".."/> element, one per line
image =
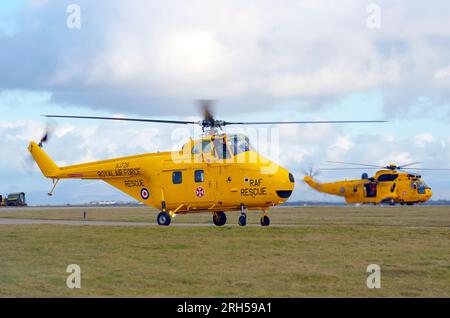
<point x="391" y="184"/>
<point x="215" y="173"/>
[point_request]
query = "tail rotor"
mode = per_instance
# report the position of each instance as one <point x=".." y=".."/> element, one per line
<point x="310" y="172"/>
<point x="28" y="162"/>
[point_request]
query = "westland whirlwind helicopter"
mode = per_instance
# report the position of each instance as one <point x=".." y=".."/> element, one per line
<point x="215" y="173"/>
<point x="390" y="185"/>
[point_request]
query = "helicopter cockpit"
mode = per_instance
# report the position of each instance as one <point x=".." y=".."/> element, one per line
<point x="222" y="146"/>
<point x="421" y="186"/>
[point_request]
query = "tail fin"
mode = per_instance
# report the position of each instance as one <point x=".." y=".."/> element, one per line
<point x="45" y="163"/>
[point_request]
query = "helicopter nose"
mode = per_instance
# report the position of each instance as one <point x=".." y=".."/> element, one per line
<point x="286" y="186"/>
<point x="284" y="194"/>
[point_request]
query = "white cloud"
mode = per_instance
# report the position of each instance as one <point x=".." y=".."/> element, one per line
<point x="132" y="56"/>
<point x="422" y="139"/>
<point x="339" y="148"/>
<point x="442" y="73"/>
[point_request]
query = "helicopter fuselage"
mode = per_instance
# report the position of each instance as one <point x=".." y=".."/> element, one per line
<point x="214" y="173"/>
<point x="386" y="186"/>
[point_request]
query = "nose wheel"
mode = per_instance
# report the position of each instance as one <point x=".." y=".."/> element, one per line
<point x="265" y="221"/>
<point x="243" y="218"/>
<point x="219" y="218"/>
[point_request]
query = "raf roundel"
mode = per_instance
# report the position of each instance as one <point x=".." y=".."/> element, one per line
<point x="200" y="192"/>
<point x="145" y="194"/>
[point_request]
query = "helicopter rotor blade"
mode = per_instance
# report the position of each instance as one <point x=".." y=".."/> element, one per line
<point x="311" y="172"/>
<point x="207" y="105"/>
<point x="304" y="122"/>
<point x="210" y="124"/>
<point x="125" y="119"/>
<point x="408" y="165"/>
<point x="356" y="164"/>
<point x="427" y="169"/>
<point x="28" y="162"/>
<point x="337" y="169"/>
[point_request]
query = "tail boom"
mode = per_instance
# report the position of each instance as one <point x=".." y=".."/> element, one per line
<point x="107" y="169"/>
<point x="333" y="188"/>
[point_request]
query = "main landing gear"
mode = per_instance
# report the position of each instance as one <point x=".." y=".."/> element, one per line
<point x="265" y="220"/>
<point x="243" y="218"/>
<point x="219" y="218"/>
<point x="164" y="218"/>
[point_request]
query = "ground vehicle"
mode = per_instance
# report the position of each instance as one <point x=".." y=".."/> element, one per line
<point x="13" y="199"/>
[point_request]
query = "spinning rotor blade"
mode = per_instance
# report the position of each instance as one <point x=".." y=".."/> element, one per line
<point x="126" y="119"/>
<point x="427" y="169"/>
<point x="408" y="164"/>
<point x="329" y="169"/>
<point x="47" y="133"/>
<point x="304" y="122"/>
<point x="28" y="161"/>
<point x="209" y="123"/>
<point x="311" y="172"/>
<point x="206" y="105"/>
<point x="356" y="164"/>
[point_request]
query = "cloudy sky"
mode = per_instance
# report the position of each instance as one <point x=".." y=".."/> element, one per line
<point x="265" y="59"/>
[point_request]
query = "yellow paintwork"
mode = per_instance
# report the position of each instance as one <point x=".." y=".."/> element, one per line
<point x="405" y="189"/>
<point x="245" y="178"/>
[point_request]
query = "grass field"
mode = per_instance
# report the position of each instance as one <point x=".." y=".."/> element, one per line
<point x="326" y="255"/>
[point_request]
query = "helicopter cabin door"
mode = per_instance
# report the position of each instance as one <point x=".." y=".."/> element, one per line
<point x="200" y="184"/>
<point x="174" y="186"/>
<point x="201" y="176"/>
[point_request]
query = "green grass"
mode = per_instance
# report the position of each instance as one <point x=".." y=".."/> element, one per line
<point x="352" y="215"/>
<point x="327" y="259"/>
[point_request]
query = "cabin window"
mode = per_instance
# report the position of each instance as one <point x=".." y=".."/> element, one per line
<point x="199" y="176"/>
<point x="387" y="177"/>
<point x="177" y="177"/>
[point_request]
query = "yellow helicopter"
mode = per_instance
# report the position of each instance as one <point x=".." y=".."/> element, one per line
<point x="215" y="173"/>
<point x="390" y="185"/>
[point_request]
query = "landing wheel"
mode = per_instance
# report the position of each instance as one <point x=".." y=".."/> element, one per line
<point x="392" y="202"/>
<point x="410" y="203"/>
<point x="243" y="220"/>
<point x="219" y="218"/>
<point x="164" y="218"/>
<point x="265" y="221"/>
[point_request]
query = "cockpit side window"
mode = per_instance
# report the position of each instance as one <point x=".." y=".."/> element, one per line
<point x="200" y="147"/>
<point x="239" y="144"/>
<point x="421" y="187"/>
<point x="207" y="146"/>
<point x="387" y="177"/>
<point x="221" y="149"/>
<point x="197" y="149"/>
